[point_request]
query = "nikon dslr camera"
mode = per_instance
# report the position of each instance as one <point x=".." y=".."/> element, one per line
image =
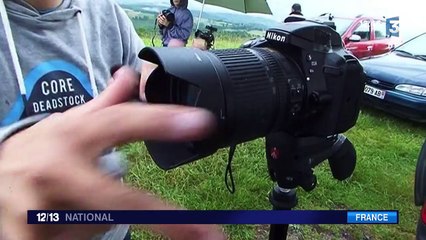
<point x="168" y="15"/>
<point x="298" y="79"/>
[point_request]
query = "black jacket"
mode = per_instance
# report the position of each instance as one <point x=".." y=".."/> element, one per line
<point x="294" y="17"/>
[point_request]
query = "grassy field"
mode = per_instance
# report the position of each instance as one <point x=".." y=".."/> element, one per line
<point x="387" y="150"/>
<point x="223" y="40"/>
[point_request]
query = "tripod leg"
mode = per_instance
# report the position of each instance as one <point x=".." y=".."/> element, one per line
<point x="281" y="199"/>
<point x="278" y="232"/>
<point x="283" y="162"/>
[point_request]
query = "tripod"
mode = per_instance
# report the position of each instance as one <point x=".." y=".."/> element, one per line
<point x="290" y="164"/>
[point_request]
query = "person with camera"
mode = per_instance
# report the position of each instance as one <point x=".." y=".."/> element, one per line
<point x="57" y="107"/>
<point x="176" y="24"/>
<point x="295" y="14"/>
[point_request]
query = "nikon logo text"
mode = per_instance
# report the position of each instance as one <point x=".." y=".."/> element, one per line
<point x="275" y="37"/>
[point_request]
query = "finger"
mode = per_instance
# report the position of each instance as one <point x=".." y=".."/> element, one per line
<point x="91" y="190"/>
<point x="130" y="122"/>
<point x="81" y="232"/>
<point x="124" y="87"/>
<point x="13" y="218"/>
<point x="147" y="69"/>
<point x="76" y="177"/>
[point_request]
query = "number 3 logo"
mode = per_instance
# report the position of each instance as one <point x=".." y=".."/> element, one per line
<point x="394" y="26"/>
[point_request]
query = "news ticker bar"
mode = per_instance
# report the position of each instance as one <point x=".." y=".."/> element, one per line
<point x="214" y="217"/>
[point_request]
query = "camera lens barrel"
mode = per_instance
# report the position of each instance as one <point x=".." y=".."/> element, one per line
<point x="256" y="89"/>
<point x="251" y="91"/>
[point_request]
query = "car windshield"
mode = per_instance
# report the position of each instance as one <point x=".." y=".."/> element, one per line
<point x="342" y="24"/>
<point x="415" y="46"/>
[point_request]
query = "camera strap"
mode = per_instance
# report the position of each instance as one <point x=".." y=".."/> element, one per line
<point x="155" y="32"/>
<point x="231" y="188"/>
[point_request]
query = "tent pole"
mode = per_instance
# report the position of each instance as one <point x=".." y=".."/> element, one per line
<point x="201" y="13"/>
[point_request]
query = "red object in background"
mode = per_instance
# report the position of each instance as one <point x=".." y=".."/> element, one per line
<point x="423" y="214"/>
<point x="365" y="36"/>
<point x="275" y="153"/>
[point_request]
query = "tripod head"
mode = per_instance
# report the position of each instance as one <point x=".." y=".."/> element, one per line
<point x="207" y="36"/>
<point x="290" y="164"/>
<point x="291" y="159"/>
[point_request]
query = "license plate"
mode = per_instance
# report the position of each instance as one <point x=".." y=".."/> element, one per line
<point x="374" y="92"/>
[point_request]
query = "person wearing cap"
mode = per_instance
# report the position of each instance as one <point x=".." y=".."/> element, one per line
<point x="295" y="14"/>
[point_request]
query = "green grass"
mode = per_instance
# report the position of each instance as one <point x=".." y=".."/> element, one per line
<point x="387" y="150"/>
<point x="223" y="40"/>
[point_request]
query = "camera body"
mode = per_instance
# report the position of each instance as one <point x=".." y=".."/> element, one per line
<point x="327" y="19"/>
<point x="331" y="78"/>
<point x="298" y="79"/>
<point x="211" y="29"/>
<point x="168" y="15"/>
<point x="207" y="36"/>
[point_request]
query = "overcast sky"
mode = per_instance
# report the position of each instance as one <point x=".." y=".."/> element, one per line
<point x="412" y="13"/>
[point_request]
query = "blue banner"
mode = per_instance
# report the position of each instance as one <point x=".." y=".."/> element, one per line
<point x="213" y="217"/>
<point x="392" y="26"/>
<point x="370" y="217"/>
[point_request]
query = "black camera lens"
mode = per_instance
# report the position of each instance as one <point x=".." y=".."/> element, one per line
<point x="247" y="89"/>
